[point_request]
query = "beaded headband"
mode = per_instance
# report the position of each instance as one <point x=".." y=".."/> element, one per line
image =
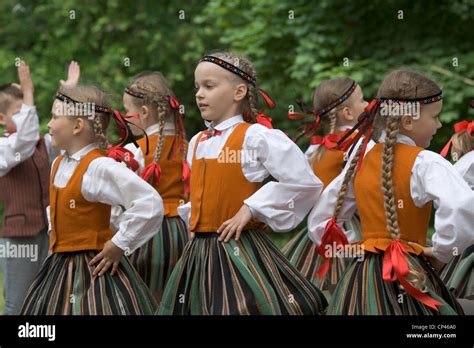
<point x="133" y="93"/>
<point x="229" y="67"/>
<point x="97" y="108"/>
<point x="424" y="100"/>
<point x="338" y="101"/>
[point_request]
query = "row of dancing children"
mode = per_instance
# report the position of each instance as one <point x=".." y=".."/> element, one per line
<point x="246" y="274"/>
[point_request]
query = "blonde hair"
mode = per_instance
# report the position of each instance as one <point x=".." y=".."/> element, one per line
<point x="244" y="64"/>
<point x="461" y="143"/>
<point x="157" y="95"/>
<point x="92" y="94"/>
<point x="8" y="93"/>
<point x="402" y="84"/>
<point x="326" y="93"/>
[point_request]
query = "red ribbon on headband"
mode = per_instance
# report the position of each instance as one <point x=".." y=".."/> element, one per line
<point x="458" y="128"/>
<point x="395" y="267"/>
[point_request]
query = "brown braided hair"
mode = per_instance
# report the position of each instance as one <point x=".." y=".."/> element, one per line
<point x="156" y="93"/>
<point x="92" y="94"/>
<point x="325" y="94"/>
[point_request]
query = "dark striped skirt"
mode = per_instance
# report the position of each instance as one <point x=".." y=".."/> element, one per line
<point x="65" y="286"/>
<point x="458" y="274"/>
<point x="362" y="291"/>
<point x="303" y="254"/>
<point x="155" y="260"/>
<point x="245" y="277"/>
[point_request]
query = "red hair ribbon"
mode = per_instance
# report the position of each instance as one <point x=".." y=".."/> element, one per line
<point x="121" y="154"/>
<point x="458" y="128"/>
<point x="333" y="236"/>
<point x="264" y="120"/>
<point x="395" y="267"/>
<point x="365" y="121"/>
<point x="271" y="104"/>
<point x="309" y="128"/>
<point x="153" y="170"/>
<point x="329" y="141"/>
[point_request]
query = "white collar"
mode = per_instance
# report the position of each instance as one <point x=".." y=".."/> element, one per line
<point x="401" y="138"/>
<point x="155" y="128"/>
<point x="78" y="155"/>
<point x="225" y="124"/>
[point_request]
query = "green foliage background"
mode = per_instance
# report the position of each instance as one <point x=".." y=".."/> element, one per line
<point x="293" y="44"/>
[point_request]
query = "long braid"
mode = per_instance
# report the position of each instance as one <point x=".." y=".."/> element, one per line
<point x="252" y="98"/>
<point x="99" y="133"/>
<point x="347" y="177"/>
<point x="390" y="206"/>
<point x="162" y="112"/>
<point x="416" y="276"/>
<point x="331" y="119"/>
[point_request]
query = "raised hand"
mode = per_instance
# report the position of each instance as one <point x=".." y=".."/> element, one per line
<point x="26" y="83"/>
<point x="74" y="72"/>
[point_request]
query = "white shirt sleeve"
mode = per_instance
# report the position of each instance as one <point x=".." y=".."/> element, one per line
<point x="323" y="210"/>
<point x="435" y="179"/>
<point x="109" y="182"/>
<point x="284" y="203"/>
<point x="20" y="145"/>
<point x="311" y="149"/>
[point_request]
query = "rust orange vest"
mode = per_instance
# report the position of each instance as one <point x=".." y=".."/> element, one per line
<point x="330" y="165"/>
<point x="77" y="224"/>
<point x="413" y="221"/>
<point x="218" y="186"/>
<point x="170" y="186"/>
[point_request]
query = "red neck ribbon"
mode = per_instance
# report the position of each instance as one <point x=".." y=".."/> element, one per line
<point x="329" y="141"/>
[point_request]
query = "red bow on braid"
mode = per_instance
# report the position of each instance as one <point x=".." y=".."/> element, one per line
<point x="333" y="236"/>
<point x="118" y="152"/>
<point x="366" y="121"/>
<point x="261" y="118"/>
<point x="395" y="267"/>
<point x="186" y="172"/>
<point x="309" y="128"/>
<point x="458" y="128"/>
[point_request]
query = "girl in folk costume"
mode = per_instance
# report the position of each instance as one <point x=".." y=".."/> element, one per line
<point x="230" y="266"/>
<point x="336" y="105"/>
<point x="458" y="273"/>
<point x="394" y="188"/>
<point x="84" y="185"/>
<point x="150" y="105"/>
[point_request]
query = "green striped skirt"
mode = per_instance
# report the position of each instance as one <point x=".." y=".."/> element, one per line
<point x="245" y="277"/>
<point x="156" y="259"/>
<point x="458" y="274"/>
<point x="303" y="254"/>
<point x="65" y="286"/>
<point x="362" y="291"/>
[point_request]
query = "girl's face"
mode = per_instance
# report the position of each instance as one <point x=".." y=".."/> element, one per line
<point x="130" y="110"/>
<point x="358" y="103"/>
<point x="61" y="127"/>
<point x="425" y="127"/>
<point x="217" y="96"/>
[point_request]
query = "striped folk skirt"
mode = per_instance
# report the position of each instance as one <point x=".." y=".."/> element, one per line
<point x="458" y="274"/>
<point x="65" y="286"/>
<point x="362" y="291"/>
<point x="303" y="254"/>
<point x="155" y="260"/>
<point x="245" y="277"/>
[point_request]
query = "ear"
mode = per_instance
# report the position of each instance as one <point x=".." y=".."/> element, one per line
<point x="79" y="125"/>
<point x="346" y="114"/>
<point x="144" y="112"/>
<point x="407" y="123"/>
<point x="240" y="91"/>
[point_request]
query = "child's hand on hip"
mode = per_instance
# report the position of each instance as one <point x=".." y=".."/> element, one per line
<point x="235" y="225"/>
<point x="109" y="256"/>
<point x="428" y="252"/>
